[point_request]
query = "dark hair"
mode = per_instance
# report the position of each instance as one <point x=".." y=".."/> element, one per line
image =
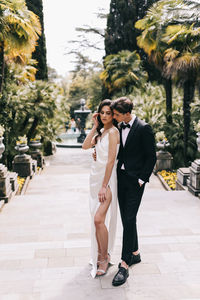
<point x="106" y="102"/>
<point x="122" y="105"/>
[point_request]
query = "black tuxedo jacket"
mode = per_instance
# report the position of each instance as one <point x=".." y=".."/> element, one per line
<point x="138" y="154"/>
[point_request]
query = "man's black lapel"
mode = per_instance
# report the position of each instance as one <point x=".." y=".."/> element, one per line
<point x="132" y="131"/>
<point x="121" y="143"/>
<point x="120" y="134"/>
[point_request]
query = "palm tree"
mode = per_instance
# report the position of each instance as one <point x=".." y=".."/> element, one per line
<point x="19" y="32"/>
<point x="182" y="62"/>
<point x="24" y="73"/>
<point x="153" y="26"/>
<point x="172" y="43"/>
<point x="122" y="71"/>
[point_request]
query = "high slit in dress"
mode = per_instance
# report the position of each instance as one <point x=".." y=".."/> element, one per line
<point x="96" y="177"/>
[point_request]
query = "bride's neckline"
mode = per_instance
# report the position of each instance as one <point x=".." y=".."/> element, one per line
<point x="104" y="133"/>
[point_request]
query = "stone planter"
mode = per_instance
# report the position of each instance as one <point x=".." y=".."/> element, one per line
<point x="22" y="149"/>
<point x="198" y="141"/>
<point x="5" y="186"/>
<point x="22" y="163"/>
<point x="35" y="145"/>
<point x="183" y="175"/>
<point x="194" y="183"/>
<point x="164" y="158"/>
<point x="35" y="152"/>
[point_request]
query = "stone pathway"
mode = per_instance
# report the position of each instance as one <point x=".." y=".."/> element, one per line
<point x="45" y="240"/>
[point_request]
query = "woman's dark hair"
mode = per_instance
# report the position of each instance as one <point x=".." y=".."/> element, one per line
<point x="106" y="102"/>
<point x="122" y="105"/>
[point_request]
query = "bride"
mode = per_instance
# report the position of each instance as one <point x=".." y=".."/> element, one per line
<point x="104" y="136"/>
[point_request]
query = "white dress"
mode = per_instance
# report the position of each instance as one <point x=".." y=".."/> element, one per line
<point x="96" y="177"/>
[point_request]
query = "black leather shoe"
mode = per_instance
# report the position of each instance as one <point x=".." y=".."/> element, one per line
<point x="135" y="259"/>
<point x="120" y="277"/>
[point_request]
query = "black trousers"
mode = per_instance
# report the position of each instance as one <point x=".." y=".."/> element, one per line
<point x="129" y="197"/>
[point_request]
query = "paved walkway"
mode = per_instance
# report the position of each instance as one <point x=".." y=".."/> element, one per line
<point x="45" y="240"/>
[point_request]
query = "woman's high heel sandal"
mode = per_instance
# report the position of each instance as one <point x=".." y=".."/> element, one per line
<point x="103" y="262"/>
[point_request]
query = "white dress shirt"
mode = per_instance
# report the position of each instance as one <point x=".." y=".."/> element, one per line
<point x="126" y="130"/>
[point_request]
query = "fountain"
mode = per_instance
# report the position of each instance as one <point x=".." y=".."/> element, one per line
<point x="75" y="139"/>
<point x="81" y="116"/>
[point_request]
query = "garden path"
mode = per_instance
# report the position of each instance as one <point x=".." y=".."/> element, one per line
<point x="45" y="240"/>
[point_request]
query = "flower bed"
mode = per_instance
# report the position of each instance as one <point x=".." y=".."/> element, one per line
<point x="20" y="181"/>
<point x="170" y="178"/>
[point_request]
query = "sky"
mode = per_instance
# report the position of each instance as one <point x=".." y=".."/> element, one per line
<point x="61" y="17"/>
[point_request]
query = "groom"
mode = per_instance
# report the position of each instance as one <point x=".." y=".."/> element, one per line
<point x="136" y="159"/>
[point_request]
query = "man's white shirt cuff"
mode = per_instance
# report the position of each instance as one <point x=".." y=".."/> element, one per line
<point x="140" y="181"/>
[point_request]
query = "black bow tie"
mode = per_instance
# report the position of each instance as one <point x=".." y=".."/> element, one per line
<point x="123" y="126"/>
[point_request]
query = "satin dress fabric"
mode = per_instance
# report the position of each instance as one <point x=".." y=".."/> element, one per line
<point x="96" y="177"/>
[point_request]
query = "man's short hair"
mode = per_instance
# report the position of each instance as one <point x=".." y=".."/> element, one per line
<point x="122" y="105"/>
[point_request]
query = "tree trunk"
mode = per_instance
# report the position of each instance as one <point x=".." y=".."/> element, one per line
<point x="33" y="127"/>
<point x="2" y="66"/>
<point x="168" y="92"/>
<point x="189" y="88"/>
<point x="25" y="122"/>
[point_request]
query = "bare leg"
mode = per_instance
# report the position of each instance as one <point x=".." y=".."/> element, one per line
<point x="101" y="230"/>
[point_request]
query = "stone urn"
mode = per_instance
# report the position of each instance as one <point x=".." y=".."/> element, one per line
<point x="2" y="147"/>
<point x="194" y="179"/>
<point x="22" y="163"/>
<point x="198" y="141"/>
<point x="162" y="146"/>
<point x="35" y="152"/>
<point x="164" y="158"/>
<point x="35" y="145"/>
<point x="22" y="149"/>
<point x="5" y="186"/>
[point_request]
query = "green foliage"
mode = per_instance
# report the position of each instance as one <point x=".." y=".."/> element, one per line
<point x="122" y="72"/>
<point x="38" y="108"/>
<point x="175" y="132"/>
<point x="95" y="87"/>
<point x="149" y="105"/>
<point x="195" y="109"/>
<point x="120" y="32"/>
<point x="175" y="135"/>
<point x="19" y="31"/>
<point x="84" y="84"/>
<point x="77" y="90"/>
<point x="40" y="53"/>
<point x="172" y="43"/>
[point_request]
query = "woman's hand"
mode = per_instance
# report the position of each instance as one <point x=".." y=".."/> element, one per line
<point x="102" y="194"/>
<point x="94" y="118"/>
